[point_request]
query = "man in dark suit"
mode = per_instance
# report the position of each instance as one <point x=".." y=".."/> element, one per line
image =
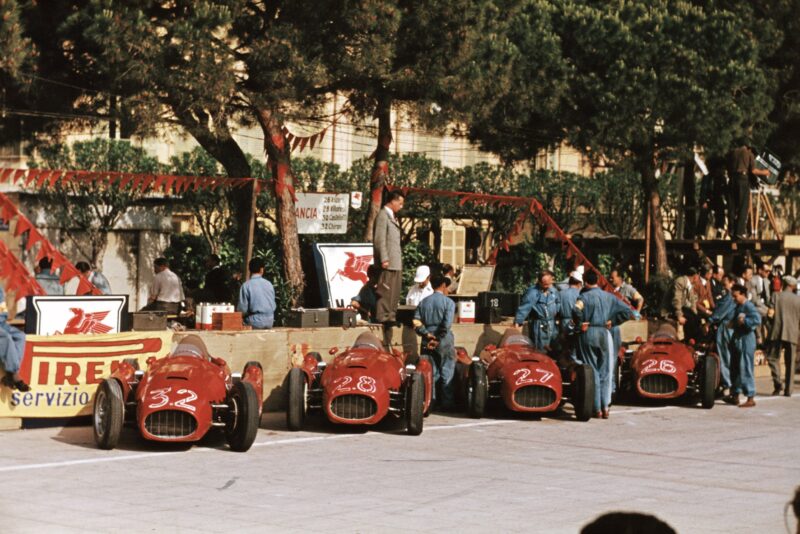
<point x="388" y="255"/>
<point x="783" y="335"/>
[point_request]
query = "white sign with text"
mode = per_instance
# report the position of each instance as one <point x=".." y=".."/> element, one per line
<point x="322" y="213"/>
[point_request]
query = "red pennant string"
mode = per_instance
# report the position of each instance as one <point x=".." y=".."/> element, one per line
<point x="5" y="175"/>
<point x="67" y="273"/>
<point x="23" y="225"/>
<point x="19" y="173"/>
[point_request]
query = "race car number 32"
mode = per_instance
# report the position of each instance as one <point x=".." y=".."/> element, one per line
<point x="160" y="397"/>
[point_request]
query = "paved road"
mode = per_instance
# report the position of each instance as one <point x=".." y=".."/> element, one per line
<point x="723" y="470"/>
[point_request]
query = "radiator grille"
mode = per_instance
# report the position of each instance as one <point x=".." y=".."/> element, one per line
<point x="170" y="424"/>
<point x="658" y="384"/>
<point x="534" y="396"/>
<point x="353" y="407"/>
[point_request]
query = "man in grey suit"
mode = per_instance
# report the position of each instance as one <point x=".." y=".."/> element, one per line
<point x="783" y="335"/>
<point x="388" y="255"/>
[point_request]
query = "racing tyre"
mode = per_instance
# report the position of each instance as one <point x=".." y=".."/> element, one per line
<point x="243" y="424"/>
<point x="415" y="401"/>
<point x="296" y="392"/>
<point x="709" y="385"/>
<point x="108" y="414"/>
<point x="583" y="392"/>
<point x="477" y="390"/>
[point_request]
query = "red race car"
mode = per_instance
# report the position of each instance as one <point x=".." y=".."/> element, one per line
<point x="179" y="398"/>
<point x="524" y="379"/>
<point x="361" y="386"/>
<point x="665" y="368"/>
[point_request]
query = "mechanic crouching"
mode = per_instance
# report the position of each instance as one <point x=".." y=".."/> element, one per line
<point x="433" y="320"/>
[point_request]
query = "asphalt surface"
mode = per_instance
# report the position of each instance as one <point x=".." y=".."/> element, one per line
<point x="720" y="470"/>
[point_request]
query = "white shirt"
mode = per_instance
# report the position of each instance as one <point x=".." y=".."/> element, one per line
<point x="390" y="211"/>
<point x="166" y="287"/>
<point x="416" y="294"/>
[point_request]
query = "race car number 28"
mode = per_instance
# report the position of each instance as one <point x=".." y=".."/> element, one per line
<point x="365" y="384"/>
<point x="160" y="397"/>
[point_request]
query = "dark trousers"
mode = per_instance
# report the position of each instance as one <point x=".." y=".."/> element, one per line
<point x="740" y="203"/>
<point x="717" y="205"/>
<point x="388" y="292"/>
<point x="774" y="358"/>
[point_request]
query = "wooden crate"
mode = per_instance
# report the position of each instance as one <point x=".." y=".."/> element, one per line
<point x="227" y="321"/>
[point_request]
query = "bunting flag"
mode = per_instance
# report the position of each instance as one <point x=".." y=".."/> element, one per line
<point x="19" y="281"/>
<point x="296" y="141"/>
<point x="529" y="207"/>
<point x="166" y="184"/>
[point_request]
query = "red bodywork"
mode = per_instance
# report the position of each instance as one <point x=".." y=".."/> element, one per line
<point x="662" y="367"/>
<point x="515" y="365"/>
<point x="185" y="381"/>
<point x="364" y="370"/>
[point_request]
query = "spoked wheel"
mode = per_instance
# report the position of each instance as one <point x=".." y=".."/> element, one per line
<point x="297" y="394"/>
<point x="477" y="390"/>
<point x="415" y="403"/>
<point x="243" y="417"/>
<point x="583" y="392"/>
<point x="108" y="413"/>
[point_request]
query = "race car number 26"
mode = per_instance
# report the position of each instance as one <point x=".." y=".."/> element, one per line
<point x="654" y="366"/>
<point x="160" y="397"/>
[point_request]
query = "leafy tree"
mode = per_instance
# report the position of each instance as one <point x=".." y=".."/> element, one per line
<point x="92" y="209"/>
<point x="210" y="207"/>
<point x="649" y="81"/>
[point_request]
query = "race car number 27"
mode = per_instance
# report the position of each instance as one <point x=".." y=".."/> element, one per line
<point x="524" y="376"/>
<point x="160" y="397"/>
<point x="655" y="366"/>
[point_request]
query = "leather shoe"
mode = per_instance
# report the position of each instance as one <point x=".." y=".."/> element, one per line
<point x="777" y="390"/>
<point x="605" y="414"/>
<point x="731" y="399"/>
<point x="749" y="403"/>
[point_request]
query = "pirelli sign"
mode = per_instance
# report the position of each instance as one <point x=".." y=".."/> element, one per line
<point x="63" y="371"/>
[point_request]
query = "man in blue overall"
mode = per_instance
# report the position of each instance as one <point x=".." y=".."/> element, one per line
<point x="567" y="298"/>
<point x="541" y="305"/>
<point x="12" y="349"/>
<point x="433" y="320"/>
<point x="746" y="319"/>
<point x="596" y="311"/>
<point x="257" y="298"/>
<point x="722" y="316"/>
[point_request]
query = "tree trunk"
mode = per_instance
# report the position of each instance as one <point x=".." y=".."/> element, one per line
<point x="646" y="168"/>
<point x="689" y="201"/>
<point x="279" y="154"/>
<point x="380" y="168"/>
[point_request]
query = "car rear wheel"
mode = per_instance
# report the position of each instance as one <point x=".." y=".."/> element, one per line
<point x="583" y="392"/>
<point x="415" y="402"/>
<point x="243" y="423"/>
<point x="108" y="414"/>
<point x="296" y="410"/>
<point x="477" y="390"/>
<point x="709" y="383"/>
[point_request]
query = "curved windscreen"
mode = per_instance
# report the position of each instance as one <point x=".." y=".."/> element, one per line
<point x="191" y="345"/>
<point x="367" y="340"/>
<point x="514" y="337"/>
<point x="666" y="330"/>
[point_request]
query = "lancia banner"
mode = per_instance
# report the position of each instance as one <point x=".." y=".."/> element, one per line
<point x="64" y="371"/>
<point x="342" y="271"/>
<point x="322" y="213"/>
<point x="73" y="314"/>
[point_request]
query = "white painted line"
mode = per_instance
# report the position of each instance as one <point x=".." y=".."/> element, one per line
<point x="469" y="425"/>
<point x="95" y="460"/>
